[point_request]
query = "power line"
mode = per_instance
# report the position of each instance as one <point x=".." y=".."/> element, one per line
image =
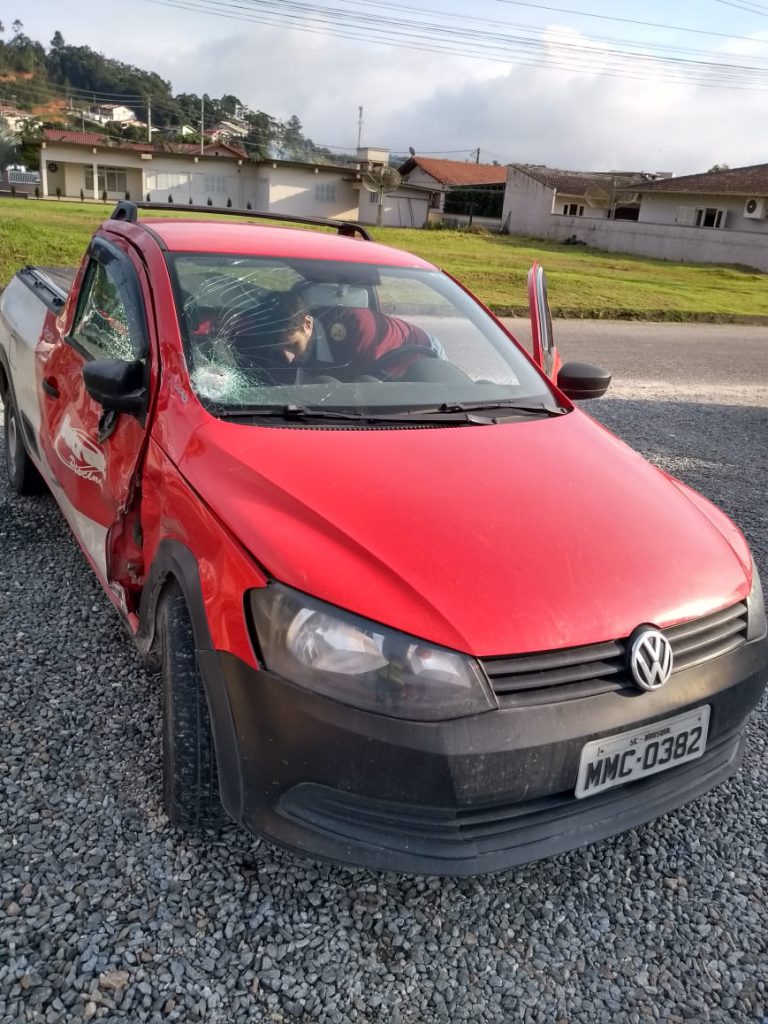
<point x="360" y="25"/>
<point x="749" y="5"/>
<point x="627" y="21"/>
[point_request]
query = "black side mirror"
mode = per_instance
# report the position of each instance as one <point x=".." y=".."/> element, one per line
<point x="117" y="385"/>
<point x="583" y="380"/>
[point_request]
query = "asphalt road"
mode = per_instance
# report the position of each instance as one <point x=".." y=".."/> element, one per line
<point x="691" y="358"/>
<point x="107" y="913"/>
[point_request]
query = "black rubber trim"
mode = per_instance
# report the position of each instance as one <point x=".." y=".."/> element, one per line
<point x="473" y="795"/>
<point x="174" y="559"/>
<point x="52" y="297"/>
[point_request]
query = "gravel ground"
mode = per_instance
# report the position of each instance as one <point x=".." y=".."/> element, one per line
<point x="107" y="913"/>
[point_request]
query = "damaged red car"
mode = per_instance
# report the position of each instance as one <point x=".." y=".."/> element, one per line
<point x="414" y="610"/>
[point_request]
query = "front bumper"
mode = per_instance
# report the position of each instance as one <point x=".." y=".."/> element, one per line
<point x="461" y="797"/>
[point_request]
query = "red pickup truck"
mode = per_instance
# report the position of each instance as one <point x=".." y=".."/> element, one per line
<point x="413" y="608"/>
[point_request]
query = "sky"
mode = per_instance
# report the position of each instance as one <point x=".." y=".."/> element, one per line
<point x="575" y="84"/>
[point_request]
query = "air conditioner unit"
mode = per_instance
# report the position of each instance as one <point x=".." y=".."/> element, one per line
<point x="754" y="209"/>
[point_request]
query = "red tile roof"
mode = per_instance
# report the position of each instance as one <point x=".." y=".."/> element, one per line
<point x="738" y="181"/>
<point x="93" y="139"/>
<point x="455" y="172"/>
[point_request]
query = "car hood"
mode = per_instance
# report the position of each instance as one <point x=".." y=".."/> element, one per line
<point x="518" y="537"/>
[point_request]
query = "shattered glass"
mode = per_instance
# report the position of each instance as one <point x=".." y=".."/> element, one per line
<point x="268" y="332"/>
<point x="104" y="325"/>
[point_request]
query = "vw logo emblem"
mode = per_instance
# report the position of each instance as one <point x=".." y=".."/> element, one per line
<point x="650" y="659"/>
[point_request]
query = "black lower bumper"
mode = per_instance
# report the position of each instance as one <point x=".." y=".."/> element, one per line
<point x="461" y="797"/>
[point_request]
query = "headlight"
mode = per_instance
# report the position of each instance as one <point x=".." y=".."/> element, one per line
<point x="755" y="607"/>
<point x="361" y="663"/>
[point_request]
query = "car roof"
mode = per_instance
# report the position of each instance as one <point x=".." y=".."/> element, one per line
<point x="203" y="236"/>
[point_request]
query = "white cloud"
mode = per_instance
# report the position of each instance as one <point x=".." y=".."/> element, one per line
<point x="435" y="102"/>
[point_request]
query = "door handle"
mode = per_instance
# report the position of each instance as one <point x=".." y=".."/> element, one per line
<point x="49" y="386"/>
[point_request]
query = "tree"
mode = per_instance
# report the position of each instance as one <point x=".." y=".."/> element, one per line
<point x="16" y="27"/>
<point x="715" y="168"/>
<point x="57" y="43"/>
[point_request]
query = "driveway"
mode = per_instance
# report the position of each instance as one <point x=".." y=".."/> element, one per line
<point x="107" y="913"/>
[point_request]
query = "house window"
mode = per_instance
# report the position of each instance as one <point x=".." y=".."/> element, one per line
<point x="111" y="179"/>
<point x="215" y="184"/>
<point x="165" y="181"/>
<point x="709" y="217"/>
<point x="573" y="210"/>
<point x="373" y="197"/>
<point x="434" y="200"/>
<point x="325" y="193"/>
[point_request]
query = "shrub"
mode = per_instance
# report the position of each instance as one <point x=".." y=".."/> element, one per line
<point x="229" y="203"/>
<point x="58" y="192"/>
<point x="128" y="196"/>
<point x="82" y="196"/>
<point x="170" y="198"/>
<point x="190" y="201"/>
<point x="149" y="198"/>
<point x="210" y="201"/>
<point x="104" y="196"/>
<point x="13" y="191"/>
<point x="248" y="205"/>
<point x="37" y="191"/>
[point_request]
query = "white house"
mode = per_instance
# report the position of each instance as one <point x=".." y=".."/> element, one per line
<point x="72" y="163"/>
<point x="728" y="200"/>
<point x="226" y="130"/>
<point x="535" y="194"/>
<point x="104" y="112"/>
<point x="715" y="217"/>
<point x="438" y="177"/>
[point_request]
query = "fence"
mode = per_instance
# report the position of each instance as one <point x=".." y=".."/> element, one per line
<point x="672" y="242"/>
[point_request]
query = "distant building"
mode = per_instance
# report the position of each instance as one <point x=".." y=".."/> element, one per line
<point x="104" y="112"/>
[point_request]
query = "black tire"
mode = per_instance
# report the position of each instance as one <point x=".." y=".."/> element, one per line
<point x="22" y="472"/>
<point x="190" y="776"/>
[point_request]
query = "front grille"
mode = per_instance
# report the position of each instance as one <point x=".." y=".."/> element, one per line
<point x="600" y="668"/>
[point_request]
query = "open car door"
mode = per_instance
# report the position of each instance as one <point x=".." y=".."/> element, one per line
<point x="544" y="351"/>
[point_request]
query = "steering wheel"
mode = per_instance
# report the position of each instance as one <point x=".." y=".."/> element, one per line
<point x="387" y="364"/>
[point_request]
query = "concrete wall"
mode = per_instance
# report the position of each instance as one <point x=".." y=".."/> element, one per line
<point x="528" y="205"/>
<point x="667" y="242"/>
<point x="293" y="190"/>
<point x="656" y="208"/>
<point x="527" y="208"/>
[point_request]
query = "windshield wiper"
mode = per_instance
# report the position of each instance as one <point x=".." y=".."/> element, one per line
<point x="504" y="403"/>
<point x="447" y="412"/>
<point x="294" y="413"/>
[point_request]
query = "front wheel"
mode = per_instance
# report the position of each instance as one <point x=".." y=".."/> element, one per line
<point x="190" y="776"/>
<point x="22" y="473"/>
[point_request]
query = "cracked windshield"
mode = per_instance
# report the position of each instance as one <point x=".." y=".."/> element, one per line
<point x="266" y="334"/>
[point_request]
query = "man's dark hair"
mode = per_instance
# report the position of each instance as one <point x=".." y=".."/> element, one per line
<point x="286" y="311"/>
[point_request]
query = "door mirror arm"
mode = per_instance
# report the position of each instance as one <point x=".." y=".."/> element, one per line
<point x="117" y="385"/>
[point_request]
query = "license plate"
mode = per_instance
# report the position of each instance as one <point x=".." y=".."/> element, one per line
<point x="617" y="760"/>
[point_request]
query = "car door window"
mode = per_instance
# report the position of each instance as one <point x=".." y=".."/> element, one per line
<point x="107" y="323"/>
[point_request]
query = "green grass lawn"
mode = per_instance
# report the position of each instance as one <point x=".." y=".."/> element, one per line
<point x="582" y="282"/>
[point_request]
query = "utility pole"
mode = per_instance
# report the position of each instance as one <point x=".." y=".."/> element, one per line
<point x="477" y="155"/>
<point x="149" y="118"/>
<point x="359" y="125"/>
<point x="202" y="122"/>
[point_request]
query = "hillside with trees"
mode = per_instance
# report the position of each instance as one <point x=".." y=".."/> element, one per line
<point x="59" y="86"/>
